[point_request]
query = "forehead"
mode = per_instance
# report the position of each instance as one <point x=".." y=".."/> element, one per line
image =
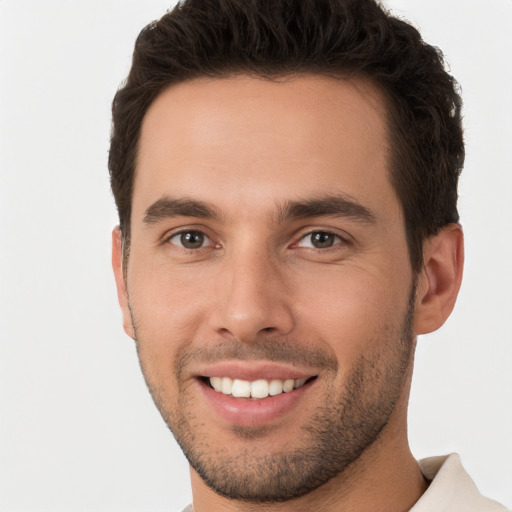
<point x="273" y="139"/>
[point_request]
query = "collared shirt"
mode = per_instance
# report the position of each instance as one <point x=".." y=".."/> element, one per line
<point x="451" y="489"/>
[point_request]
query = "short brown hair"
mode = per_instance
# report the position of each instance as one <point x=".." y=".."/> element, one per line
<point x="275" y="38"/>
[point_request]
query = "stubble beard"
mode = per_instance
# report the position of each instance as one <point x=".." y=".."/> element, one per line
<point x="350" y="420"/>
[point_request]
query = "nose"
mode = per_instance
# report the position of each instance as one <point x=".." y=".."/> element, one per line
<point x="253" y="299"/>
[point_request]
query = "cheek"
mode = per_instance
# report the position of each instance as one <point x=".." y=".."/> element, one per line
<point x="167" y="309"/>
<point x="350" y="309"/>
<point x="167" y="301"/>
<point x="163" y="319"/>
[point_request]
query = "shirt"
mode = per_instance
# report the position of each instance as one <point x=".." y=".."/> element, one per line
<point x="451" y="489"/>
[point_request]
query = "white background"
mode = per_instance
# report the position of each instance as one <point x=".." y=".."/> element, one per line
<point x="78" y="431"/>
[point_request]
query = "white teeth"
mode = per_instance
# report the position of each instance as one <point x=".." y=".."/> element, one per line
<point x="259" y="389"/>
<point x="275" y="387"/>
<point x="227" y="385"/>
<point x="288" y="385"/>
<point x="241" y="388"/>
<point x="216" y="383"/>
<point x="256" y="389"/>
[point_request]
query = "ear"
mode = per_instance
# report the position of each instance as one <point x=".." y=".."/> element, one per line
<point x="439" y="280"/>
<point x="122" y="292"/>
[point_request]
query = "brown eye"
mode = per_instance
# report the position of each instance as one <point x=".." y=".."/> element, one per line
<point x="190" y="239"/>
<point x="320" y="240"/>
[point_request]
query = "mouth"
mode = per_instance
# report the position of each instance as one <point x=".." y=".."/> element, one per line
<point x="258" y="389"/>
<point x="255" y="393"/>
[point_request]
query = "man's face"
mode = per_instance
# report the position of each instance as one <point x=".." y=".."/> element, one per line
<point x="268" y="253"/>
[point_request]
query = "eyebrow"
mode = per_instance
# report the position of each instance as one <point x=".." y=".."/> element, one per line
<point x="332" y="206"/>
<point x="167" y="207"/>
<point x="328" y="206"/>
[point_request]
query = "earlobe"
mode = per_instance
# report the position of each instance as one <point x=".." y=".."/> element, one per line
<point x="439" y="280"/>
<point x="122" y="292"/>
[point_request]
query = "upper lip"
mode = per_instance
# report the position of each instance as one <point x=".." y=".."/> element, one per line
<point x="254" y="370"/>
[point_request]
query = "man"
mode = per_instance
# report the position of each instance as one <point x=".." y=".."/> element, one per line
<point x="286" y="179"/>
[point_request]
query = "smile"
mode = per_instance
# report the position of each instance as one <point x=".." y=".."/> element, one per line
<point x="255" y="394"/>
<point x="256" y="389"/>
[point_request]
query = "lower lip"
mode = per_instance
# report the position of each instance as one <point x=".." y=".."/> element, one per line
<point x="246" y="412"/>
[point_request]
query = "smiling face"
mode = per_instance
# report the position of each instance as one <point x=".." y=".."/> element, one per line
<point x="269" y="285"/>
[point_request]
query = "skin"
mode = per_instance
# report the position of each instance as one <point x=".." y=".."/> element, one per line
<point x="257" y="290"/>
